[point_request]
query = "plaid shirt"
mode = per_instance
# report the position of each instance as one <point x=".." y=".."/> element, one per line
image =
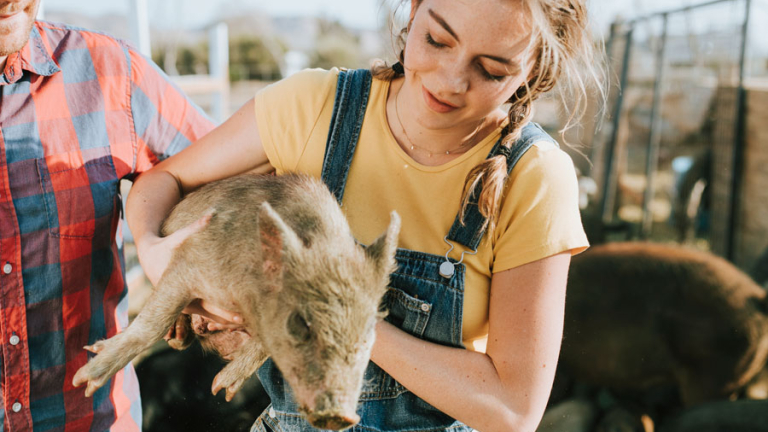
<point x="79" y="111"/>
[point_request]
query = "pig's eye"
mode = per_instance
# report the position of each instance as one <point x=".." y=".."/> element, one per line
<point x="298" y="327"/>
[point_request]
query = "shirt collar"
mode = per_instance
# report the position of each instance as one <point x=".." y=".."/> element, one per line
<point x="34" y="57"/>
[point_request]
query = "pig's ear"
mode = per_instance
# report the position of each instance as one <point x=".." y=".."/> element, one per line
<point x="382" y="251"/>
<point x="278" y="244"/>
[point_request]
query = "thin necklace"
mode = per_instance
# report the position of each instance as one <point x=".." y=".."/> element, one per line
<point x="428" y="151"/>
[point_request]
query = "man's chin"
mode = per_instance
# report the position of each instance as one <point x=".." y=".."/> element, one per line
<point x="15" y="29"/>
<point x="14" y="40"/>
<point x="7" y="49"/>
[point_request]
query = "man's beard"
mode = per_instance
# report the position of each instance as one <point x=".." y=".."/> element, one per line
<point x="14" y="36"/>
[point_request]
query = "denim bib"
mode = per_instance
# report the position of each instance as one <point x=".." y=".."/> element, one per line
<point x="419" y="299"/>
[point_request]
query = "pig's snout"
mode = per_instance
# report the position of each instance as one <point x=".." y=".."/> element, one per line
<point x="329" y="413"/>
<point x="333" y="422"/>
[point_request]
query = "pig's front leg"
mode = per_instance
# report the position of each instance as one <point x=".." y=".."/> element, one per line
<point x="154" y="320"/>
<point x="112" y="355"/>
<point x="246" y="361"/>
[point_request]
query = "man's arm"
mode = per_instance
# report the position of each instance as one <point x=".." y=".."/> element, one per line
<point x="165" y="120"/>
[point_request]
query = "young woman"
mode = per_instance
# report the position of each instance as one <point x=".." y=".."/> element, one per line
<point x="445" y="140"/>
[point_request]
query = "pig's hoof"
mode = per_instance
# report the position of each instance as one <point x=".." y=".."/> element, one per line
<point x="86" y="374"/>
<point x="180" y="345"/>
<point x="95" y="348"/>
<point x="224" y="380"/>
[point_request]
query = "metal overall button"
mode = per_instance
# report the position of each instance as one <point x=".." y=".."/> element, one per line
<point x="447" y="268"/>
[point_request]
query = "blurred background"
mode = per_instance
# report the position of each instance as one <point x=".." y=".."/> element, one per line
<point x="677" y="156"/>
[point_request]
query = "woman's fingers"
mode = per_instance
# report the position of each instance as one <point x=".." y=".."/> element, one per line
<point x="155" y="255"/>
<point x="174" y="240"/>
<point x="214" y="326"/>
<point x="223" y="317"/>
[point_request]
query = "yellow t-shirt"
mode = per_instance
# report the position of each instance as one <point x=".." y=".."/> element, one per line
<point x="539" y="214"/>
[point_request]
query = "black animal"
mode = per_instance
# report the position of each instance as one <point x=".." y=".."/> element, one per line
<point x="176" y="394"/>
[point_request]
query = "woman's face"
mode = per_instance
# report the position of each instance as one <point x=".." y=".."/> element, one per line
<point x="464" y="59"/>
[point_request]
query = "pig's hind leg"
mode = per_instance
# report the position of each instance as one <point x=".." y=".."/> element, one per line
<point x="246" y="360"/>
<point x="154" y="320"/>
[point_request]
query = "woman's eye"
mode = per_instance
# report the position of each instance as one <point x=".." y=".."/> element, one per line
<point x="298" y="327"/>
<point x="487" y="75"/>
<point x="433" y="42"/>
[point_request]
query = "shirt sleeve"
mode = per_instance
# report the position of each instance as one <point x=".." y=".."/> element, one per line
<point x="165" y="120"/>
<point x="540" y="213"/>
<point x="287" y="112"/>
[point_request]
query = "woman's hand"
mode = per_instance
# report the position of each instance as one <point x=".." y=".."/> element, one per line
<point x="232" y="148"/>
<point x="220" y="319"/>
<point x="155" y="255"/>
<point x="155" y="252"/>
<point x="179" y="336"/>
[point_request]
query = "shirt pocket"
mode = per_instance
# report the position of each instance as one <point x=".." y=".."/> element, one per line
<point x="77" y="198"/>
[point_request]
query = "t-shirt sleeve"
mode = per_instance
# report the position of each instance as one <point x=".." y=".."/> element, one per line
<point x="165" y="120"/>
<point x="288" y="111"/>
<point x="540" y="213"/>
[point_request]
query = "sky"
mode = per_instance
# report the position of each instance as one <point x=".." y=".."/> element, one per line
<point x="355" y="13"/>
<point x="195" y="13"/>
<point x="367" y="14"/>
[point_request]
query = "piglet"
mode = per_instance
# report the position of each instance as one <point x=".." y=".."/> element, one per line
<point x="277" y="251"/>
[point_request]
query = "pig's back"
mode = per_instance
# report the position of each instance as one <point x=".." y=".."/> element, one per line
<point x="637" y="312"/>
<point x="303" y="202"/>
<point x="224" y="256"/>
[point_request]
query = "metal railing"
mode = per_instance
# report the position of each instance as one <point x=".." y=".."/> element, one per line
<point x="725" y="224"/>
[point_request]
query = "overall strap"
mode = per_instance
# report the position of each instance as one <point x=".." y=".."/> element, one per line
<point x="471" y="231"/>
<point x="352" y="91"/>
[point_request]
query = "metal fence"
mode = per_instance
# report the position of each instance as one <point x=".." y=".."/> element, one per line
<point x="679" y="100"/>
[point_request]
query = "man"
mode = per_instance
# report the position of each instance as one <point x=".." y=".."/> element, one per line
<point x="79" y="111"/>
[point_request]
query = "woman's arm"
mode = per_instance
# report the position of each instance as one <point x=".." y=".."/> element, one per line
<point x="506" y="389"/>
<point x="232" y="148"/>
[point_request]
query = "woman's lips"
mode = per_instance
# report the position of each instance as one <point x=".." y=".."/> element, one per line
<point x="434" y="104"/>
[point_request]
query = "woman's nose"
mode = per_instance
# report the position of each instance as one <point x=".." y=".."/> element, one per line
<point x="453" y="78"/>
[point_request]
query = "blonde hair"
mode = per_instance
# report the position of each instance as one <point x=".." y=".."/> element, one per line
<point x="562" y="46"/>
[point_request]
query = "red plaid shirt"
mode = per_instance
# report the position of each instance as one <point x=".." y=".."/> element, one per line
<point x="79" y="111"/>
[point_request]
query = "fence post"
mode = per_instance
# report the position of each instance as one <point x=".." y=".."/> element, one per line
<point x="140" y="26"/>
<point x="218" y="66"/>
<point x="740" y="141"/>
<point x="609" y="178"/>
<point x="654" y="139"/>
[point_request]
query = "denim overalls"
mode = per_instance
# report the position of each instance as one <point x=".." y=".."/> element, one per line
<point x="420" y="301"/>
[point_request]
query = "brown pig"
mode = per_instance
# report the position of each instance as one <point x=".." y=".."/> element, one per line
<point x="641" y="315"/>
<point x="277" y="251"/>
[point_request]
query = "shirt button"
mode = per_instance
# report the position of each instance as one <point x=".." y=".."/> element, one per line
<point x="7" y="268"/>
<point x="425" y="307"/>
<point x="271" y="412"/>
<point x="15" y="340"/>
<point x="16" y="407"/>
